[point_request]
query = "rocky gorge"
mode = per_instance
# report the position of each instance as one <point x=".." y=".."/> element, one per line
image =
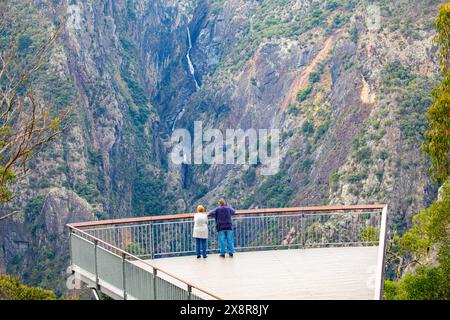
<point x="348" y="98"/>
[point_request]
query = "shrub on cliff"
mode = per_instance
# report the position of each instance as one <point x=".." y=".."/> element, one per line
<point x="11" y="288"/>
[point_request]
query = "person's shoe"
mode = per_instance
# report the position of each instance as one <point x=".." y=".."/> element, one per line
<point x="198" y="257"/>
<point x="222" y="256"/>
<point x="205" y="257"/>
<point x="231" y="255"/>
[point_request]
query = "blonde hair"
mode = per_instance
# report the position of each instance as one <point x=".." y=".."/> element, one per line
<point x="200" y="208"/>
<point x="221" y="202"/>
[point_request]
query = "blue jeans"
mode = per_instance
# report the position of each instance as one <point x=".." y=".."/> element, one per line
<point x="225" y="237"/>
<point x="200" y="245"/>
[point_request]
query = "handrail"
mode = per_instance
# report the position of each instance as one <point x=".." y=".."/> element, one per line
<point x="145" y="262"/>
<point x="239" y="212"/>
<point x="379" y="287"/>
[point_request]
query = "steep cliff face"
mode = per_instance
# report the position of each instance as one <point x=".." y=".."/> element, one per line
<point x="35" y="244"/>
<point x="348" y="97"/>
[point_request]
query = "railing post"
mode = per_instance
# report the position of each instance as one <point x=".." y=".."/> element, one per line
<point x="152" y="247"/>
<point x="123" y="277"/>
<point x="189" y="292"/>
<point x="70" y="246"/>
<point x="155" y="271"/>
<point x="97" y="283"/>
<point x="303" y="230"/>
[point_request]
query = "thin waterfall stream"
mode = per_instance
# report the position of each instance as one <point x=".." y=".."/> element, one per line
<point x="192" y="72"/>
<point x="191" y="66"/>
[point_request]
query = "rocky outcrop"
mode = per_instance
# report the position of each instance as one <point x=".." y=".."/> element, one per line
<point x="313" y="70"/>
<point x="63" y="206"/>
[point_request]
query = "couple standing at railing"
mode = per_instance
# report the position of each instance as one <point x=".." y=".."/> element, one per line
<point x="224" y="225"/>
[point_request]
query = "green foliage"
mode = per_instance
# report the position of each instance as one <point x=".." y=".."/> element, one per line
<point x="338" y="20"/>
<point x="60" y="91"/>
<point x="293" y="110"/>
<point x="314" y="76"/>
<point x="383" y="154"/>
<point x="334" y="181"/>
<point x="200" y="191"/>
<point x="275" y="19"/>
<point x="11" y="288"/>
<point x="331" y="5"/>
<point x="5" y="193"/>
<point x="136" y="91"/>
<point x="430" y="226"/>
<point x="429" y="232"/>
<point x="306" y="165"/>
<point x="88" y="191"/>
<point x="413" y="103"/>
<point x="308" y="127"/>
<point x="353" y="32"/>
<point x="216" y="6"/>
<point x="33" y="208"/>
<point x="369" y="234"/>
<point x="24" y="43"/>
<point x="354" y="190"/>
<point x="321" y="130"/>
<point x="363" y="155"/>
<point x="379" y="174"/>
<point x="139" y="98"/>
<point x="413" y="99"/>
<point x="357" y="176"/>
<point x="148" y="194"/>
<point x="303" y="94"/>
<point x="395" y="74"/>
<point x="275" y="191"/>
<point x="437" y="138"/>
<point x="442" y="25"/>
<point x="287" y="134"/>
<point x="249" y="177"/>
<point x="375" y="123"/>
<point x="131" y="13"/>
<point x="428" y="283"/>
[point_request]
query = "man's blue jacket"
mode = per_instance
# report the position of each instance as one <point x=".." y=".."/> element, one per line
<point x="223" y="215"/>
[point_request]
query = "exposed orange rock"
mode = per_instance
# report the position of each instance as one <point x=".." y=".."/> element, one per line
<point x="301" y="79"/>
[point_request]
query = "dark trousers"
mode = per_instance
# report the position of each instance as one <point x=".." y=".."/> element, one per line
<point x="200" y="246"/>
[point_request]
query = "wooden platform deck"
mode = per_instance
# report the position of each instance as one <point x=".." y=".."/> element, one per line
<point x="319" y="273"/>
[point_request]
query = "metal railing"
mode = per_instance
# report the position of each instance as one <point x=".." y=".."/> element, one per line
<point x="114" y="251"/>
<point x="124" y="275"/>
<point x="164" y="238"/>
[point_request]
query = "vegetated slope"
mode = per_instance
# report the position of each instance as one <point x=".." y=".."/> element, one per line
<point x="349" y="100"/>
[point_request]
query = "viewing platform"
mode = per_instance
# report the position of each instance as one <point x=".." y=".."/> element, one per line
<point x="285" y="253"/>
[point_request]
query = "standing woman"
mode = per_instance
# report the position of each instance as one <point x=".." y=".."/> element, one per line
<point x="200" y="232"/>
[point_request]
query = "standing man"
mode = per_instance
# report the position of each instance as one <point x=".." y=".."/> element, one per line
<point x="224" y="226"/>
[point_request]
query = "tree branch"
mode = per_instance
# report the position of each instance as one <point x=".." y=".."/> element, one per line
<point x="9" y="215"/>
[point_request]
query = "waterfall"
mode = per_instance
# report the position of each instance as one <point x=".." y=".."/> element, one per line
<point x="192" y="72"/>
<point x="191" y="66"/>
<point x="179" y="115"/>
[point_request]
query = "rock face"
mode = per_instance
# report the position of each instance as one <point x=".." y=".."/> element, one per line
<point x="63" y="206"/>
<point x="35" y="244"/>
<point x="349" y="101"/>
